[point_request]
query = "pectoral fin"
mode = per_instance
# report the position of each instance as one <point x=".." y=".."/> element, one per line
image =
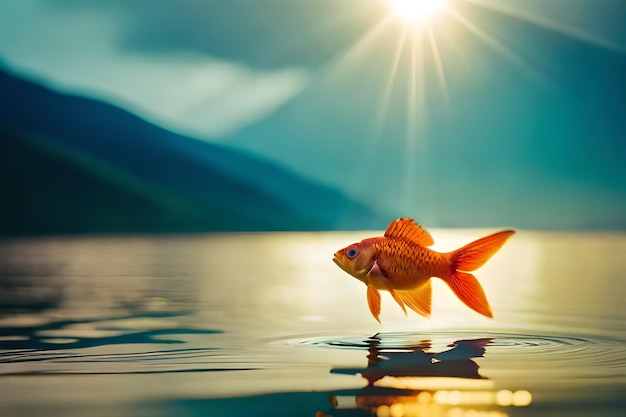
<point x="373" y="301"/>
<point x="418" y="299"/>
<point x="376" y="273"/>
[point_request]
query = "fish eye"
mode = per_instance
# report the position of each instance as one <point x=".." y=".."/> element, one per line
<point x="352" y="252"/>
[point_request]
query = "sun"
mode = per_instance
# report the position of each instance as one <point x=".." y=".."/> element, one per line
<point x="416" y="11"/>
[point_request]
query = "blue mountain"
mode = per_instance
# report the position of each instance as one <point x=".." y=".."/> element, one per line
<point x="70" y="164"/>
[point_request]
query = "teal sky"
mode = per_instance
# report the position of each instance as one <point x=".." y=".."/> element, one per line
<point x="493" y="108"/>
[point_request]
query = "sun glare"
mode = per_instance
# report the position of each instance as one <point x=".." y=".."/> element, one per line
<point x="427" y="44"/>
<point x="416" y="11"/>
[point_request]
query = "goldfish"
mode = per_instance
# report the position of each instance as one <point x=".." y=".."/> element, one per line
<point x="401" y="262"/>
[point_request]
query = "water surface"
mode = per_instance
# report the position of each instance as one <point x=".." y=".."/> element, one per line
<point x="266" y="325"/>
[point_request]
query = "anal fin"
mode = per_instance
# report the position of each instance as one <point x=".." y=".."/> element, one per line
<point x="418" y="299"/>
<point x="396" y="297"/>
<point x="469" y="290"/>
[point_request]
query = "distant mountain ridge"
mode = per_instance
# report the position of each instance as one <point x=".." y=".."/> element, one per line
<point x="156" y="180"/>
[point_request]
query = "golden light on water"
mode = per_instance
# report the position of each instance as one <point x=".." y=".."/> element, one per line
<point x="438" y="382"/>
<point x="455" y="403"/>
<point x="444" y="403"/>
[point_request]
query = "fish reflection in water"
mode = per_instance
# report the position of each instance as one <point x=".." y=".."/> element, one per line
<point x="411" y="380"/>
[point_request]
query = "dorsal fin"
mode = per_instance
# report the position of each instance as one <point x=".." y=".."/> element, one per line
<point x="407" y="229"/>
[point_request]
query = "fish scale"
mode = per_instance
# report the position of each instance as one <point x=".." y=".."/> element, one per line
<point x="407" y="263"/>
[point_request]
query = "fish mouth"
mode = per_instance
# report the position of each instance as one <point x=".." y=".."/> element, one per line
<point x="340" y="264"/>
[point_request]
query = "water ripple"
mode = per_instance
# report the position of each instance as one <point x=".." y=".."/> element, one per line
<point x="205" y="359"/>
<point x="587" y="356"/>
<point x="503" y="340"/>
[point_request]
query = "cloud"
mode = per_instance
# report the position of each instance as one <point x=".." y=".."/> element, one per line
<point x="78" y="50"/>
<point x="262" y="34"/>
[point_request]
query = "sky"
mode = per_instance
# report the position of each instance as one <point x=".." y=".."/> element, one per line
<point x="105" y="49"/>
<point x="487" y="102"/>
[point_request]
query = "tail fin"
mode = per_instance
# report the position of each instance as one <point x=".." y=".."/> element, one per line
<point x="473" y="255"/>
<point x="469" y="258"/>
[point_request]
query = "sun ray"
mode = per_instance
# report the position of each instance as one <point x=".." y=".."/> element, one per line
<point x="412" y="98"/>
<point x="438" y="63"/>
<point x="550" y="25"/>
<point x="386" y="99"/>
<point x="415" y="115"/>
<point x="348" y="60"/>
<point x="371" y="146"/>
<point x="494" y="44"/>
<point x="347" y="63"/>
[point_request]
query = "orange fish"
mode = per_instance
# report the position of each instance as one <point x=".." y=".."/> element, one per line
<point x="401" y="263"/>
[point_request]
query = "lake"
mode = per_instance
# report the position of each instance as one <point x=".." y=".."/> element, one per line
<point x="267" y="325"/>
